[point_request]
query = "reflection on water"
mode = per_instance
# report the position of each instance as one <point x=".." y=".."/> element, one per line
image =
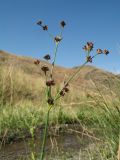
<point x="65" y="146"/>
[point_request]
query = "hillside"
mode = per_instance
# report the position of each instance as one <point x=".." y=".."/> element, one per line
<point x="22" y="79"/>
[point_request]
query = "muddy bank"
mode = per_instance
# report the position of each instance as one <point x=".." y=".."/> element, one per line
<point x="63" y="142"/>
<point x="25" y="134"/>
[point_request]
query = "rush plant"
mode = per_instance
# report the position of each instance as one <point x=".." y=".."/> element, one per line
<point x="51" y="98"/>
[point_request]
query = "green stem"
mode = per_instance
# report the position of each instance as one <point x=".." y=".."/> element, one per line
<point x="55" y="54"/>
<point x="51" y="36"/>
<point x="72" y="76"/>
<point x="45" y="134"/>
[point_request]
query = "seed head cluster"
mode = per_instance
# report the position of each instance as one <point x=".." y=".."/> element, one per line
<point x="47" y="57"/>
<point x="50" y="101"/>
<point x="88" y="47"/>
<point x="62" y="23"/>
<point x="106" y="51"/>
<point x="99" y="51"/>
<point x="44" y="27"/>
<point x="49" y="80"/>
<point x="50" y="83"/>
<point x="57" y="39"/>
<point x="89" y="59"/>
<point x="39" y="23"/>
<point x="65" y="89"/>
<point x="45" y="69"/>
<point x="36" y="62"/>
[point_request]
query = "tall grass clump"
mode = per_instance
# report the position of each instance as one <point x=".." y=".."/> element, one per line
<point x="52" y="97"/>
<point x="19" y="121"/>
<point x="104" y="120"/>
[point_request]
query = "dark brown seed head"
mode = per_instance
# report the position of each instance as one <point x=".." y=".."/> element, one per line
<point x="36" y="62"/>
<point x="57" y="39"/>
<point x="50" y="101"/>
<point x="39" y="23"/>
<point x="106" y="51"/>
<point x="66" y="89"/>
<point x="50" y="83"/>
<point x="99" y="51"/>
<point x="89" y="59"/>
<point x="45" y="28"/>
<point x="89" y="46"/>
<point x="45" y="68"/>
<point x="47" y="57"/>
<point x="62" y="93"/>
<point x="63" y="24"/>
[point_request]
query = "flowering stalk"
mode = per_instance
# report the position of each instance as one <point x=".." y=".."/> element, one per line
<point x="49" y="83"/>
<point x="50" y="99"/>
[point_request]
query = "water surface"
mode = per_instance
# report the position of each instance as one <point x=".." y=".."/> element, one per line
<point x="63" y="146"/>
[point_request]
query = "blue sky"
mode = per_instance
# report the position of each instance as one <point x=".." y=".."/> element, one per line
<point x="86" y="20"/>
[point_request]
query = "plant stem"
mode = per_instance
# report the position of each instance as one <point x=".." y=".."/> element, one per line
<point x="72" y="76"/>
<point x="53" y="64"/>
<point x="55" y="55"/>
<point x="45" y="134"/>
<point x="51" y="36"/>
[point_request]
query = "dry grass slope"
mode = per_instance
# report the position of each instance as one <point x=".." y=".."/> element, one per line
<point x="22" y="79"/>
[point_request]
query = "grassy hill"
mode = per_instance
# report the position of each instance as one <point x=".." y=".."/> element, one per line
<point x="21" y="79"/>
